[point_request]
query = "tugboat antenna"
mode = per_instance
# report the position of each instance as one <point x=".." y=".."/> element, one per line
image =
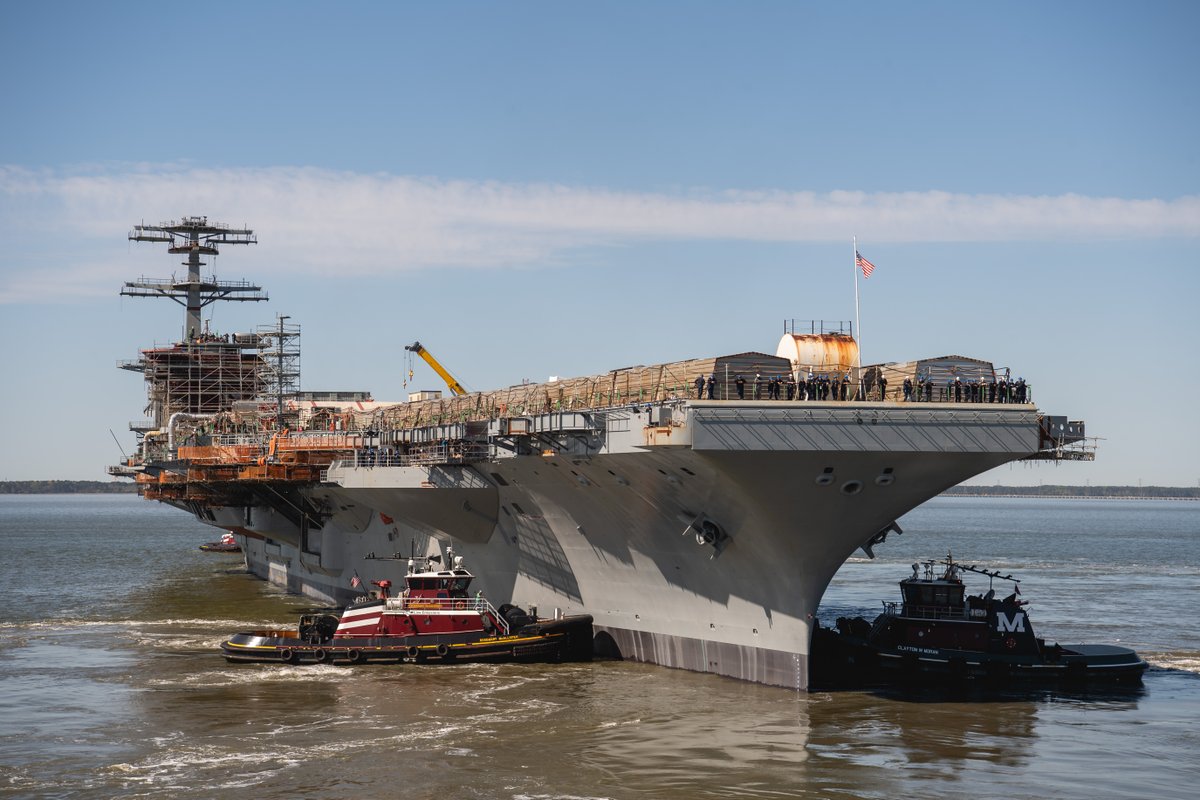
<point x="990" y="573"/>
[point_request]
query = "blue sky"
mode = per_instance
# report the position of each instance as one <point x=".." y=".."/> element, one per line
<point x="537" y="189"/>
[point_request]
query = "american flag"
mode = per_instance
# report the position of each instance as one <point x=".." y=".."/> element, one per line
<point x="356" y="581"/>
<point x="866" y="266"/>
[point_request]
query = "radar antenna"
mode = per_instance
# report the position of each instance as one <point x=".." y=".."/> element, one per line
<point x="195" y="236"/>
<point x="992" y="574"/>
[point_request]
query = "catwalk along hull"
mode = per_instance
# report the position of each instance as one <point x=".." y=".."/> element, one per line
<point x="698" y="534"/>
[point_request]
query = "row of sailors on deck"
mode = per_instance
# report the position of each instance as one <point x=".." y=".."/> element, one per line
<point x="775" y="387"/>
<point x="996" y="390"/>
<point x="833" y="387"/>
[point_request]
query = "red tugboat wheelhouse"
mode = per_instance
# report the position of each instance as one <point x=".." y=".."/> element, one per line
<point x="434" y="619"/>
<point x="939" y="632"/>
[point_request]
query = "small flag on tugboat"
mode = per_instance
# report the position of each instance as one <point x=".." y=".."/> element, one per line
<point x="356" y="581"/>
<point x="866" y="266"/>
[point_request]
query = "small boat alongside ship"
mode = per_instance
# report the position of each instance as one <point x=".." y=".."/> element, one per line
<point x="940" y="632"/>
<point x="227" y="545"/>
<point x="434" y="619"/>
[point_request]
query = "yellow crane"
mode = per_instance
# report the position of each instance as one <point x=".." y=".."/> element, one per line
<point x="455" y="387"/>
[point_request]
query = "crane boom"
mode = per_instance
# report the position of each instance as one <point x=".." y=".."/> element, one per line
<point x="455" y="387"/>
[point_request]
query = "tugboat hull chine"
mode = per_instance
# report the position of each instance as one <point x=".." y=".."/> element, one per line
<point x="544" y="641"/>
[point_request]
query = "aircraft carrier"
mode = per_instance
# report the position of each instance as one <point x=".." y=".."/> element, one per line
<point x="697" y="521"/>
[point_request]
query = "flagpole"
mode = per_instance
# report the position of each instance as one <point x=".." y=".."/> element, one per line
<point x="857" y="324"/>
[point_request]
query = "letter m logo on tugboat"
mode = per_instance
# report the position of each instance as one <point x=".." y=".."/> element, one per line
<point x="1014" y="625"/>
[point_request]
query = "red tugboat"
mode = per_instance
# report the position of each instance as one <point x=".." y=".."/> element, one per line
<point x="227" y="545"/>
<point x="435" y="618"/>
<point x="939" y="631"/>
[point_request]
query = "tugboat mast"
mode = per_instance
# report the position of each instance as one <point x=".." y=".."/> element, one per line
<point x="194" y="236"/>
<point x="991" y="574"/>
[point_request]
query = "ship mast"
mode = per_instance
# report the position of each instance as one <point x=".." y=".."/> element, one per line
<point x="193" y="236"/>
<point x="202" y="374"/>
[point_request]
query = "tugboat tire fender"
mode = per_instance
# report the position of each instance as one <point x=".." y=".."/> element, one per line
<point x="413" y="650"/>
<point x="320" y="655"/>
<point x="442" y="650"/>
<point x="355" y="656"/>
<point x="286" y="654"/>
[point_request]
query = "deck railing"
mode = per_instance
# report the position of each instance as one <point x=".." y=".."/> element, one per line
<point x="447" y="605"/>
<point x="894" y="608"/>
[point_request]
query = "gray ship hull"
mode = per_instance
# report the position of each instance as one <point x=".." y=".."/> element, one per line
<point x="704" y="543"/>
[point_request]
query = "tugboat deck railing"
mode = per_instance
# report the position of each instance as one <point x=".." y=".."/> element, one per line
<point x="446" y="605"/>
<point x="896" y="609"/>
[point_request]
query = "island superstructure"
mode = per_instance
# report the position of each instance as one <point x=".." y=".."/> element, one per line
<point x="698" y="527"/>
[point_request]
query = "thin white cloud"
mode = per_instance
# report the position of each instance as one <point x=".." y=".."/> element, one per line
<point x="369" y="224"/>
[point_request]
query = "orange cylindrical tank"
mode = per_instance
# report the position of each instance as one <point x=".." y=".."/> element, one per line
<point x="818" y="352"/>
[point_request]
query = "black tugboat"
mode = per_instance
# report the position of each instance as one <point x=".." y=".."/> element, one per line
<point x="435" y="619"/>
<point x="937" y="631"/>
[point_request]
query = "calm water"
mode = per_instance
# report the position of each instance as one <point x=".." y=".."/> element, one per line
<point x="110" y="685"/>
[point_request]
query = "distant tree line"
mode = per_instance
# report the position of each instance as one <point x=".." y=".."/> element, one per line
<point x="67" y="487"/>
<point x="1171" y="492"/>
